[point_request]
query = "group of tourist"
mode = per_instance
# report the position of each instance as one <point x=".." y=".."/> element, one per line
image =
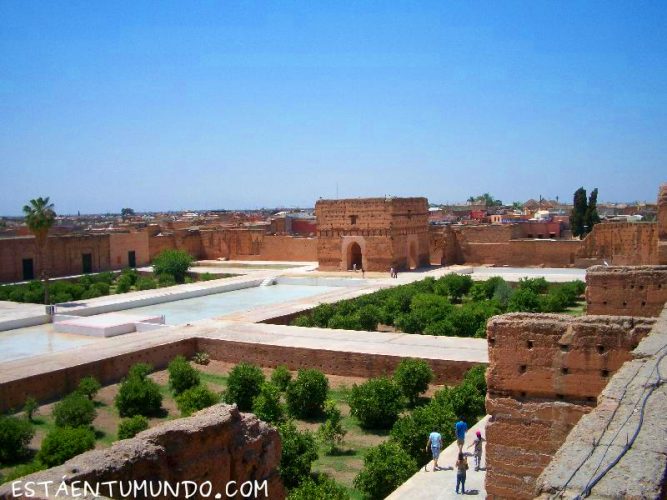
<point x="435" y="443"/>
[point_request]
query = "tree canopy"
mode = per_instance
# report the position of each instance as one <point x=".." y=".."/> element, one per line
<point x="584" y="213"/>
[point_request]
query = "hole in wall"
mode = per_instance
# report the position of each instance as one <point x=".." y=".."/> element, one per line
<point x="564" y="370"/>
<point x="522" y="369"/>
<point x="591" y="399"/>
<point x="529" y="344"/>
<point x="523" y="394"/>
<point x="560" y="397"/>
<point x="600" y="348"/>
<point x="564" y="347"/>
<point x="492" y="341"/>
<point x="604" y="373"/>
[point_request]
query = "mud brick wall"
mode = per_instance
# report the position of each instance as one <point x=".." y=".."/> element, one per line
<point x="628" y="291"/>
<point x="662" y="225"/>
<point x="62" y="256"/>
<point x="622" y="243"/>
<point x="52" y="385"/>
<point x="545" y="372"/>
<point x="391" y="232"/>
<point x="218" y="444"/>
<point x="330" y="362"/>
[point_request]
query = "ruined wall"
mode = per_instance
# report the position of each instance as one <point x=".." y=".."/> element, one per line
<point x="330" y="362"/>
<point x="122" y="243"/>
<point x="622" y="243"/>
<point x="52" y="385"/>
<point x="218" y="444"/>
<point x="392" y="232"/>
<point x="63" y="255"/>
<point x="545" y="372"/>
<point x="627" y="291"/>
<point x="662" y="225"/>
<point x="180" y="239"/>
<point x="600" y="437"/>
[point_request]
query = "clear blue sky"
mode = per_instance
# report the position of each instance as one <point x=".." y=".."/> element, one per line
<point x="177" y="105"/>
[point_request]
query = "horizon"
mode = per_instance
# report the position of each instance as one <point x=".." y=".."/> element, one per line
<point x="246" y="104"/>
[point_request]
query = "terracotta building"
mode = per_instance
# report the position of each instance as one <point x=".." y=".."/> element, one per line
<point x="372" y="233"/>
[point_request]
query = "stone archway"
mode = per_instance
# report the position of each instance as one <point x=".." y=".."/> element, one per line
<point x="413" y="261"/>
<point x="354" y="256"/>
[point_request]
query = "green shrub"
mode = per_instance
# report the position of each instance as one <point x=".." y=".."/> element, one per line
<point x="23" y="470"/>
<point x="306" y="395"/>
<point x="201" y="358"/>
<point x="304" y="321"/>
<point x="181" y="375"/>
<point x="132" y="275"/>
<point x="464" y="401"/>
<point x="244" y="383"/>
<point x="369" y="317"/>
<point x="137" y="394"/>
<point x="386" y="467"/>
<point x="124" y="283"/>
<point x="174" y="263"/>
<point x="322" y="314"/>
<point x="331" y="432"/>
<point x="455" y="286"/>
<point x="476" y="377"/>
<point x="61" y="444"/>
<point x="412" y="377"/>
<point x="320" y="488"/>
<point x="299" y="451"/>
<point x="443" y="328"/>
<point x="30" y="407"/>
<point x="130" y="427"/>
<point x="15" y="435"/>
<point x="535" y="285"/>
<point x="267" y="406"/>
<point x="345" y="322"/>
<point x="89" y="387"/>
<point x="524" y="300"/>
<point x="281" y="377"/>
<point x="195" y="399"/>
<point x="74" y="410"/>
<point x="91" y="293"/>
<point x="165" y="280"/>
<point x="146" y="283"/>
<point x="411" y="431"/>
<point x="408" y="323"/>
<point x="206" y="277"/>
<point x="376" y="403"/>
<point x="101" y="287"/>
<point x="428" y="308"/>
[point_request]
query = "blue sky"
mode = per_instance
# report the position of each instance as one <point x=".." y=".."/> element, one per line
<point x="191" y="105"/>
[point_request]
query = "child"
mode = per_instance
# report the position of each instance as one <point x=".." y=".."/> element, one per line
<point x="477" y="443"/>
<point x="461" y="468"/>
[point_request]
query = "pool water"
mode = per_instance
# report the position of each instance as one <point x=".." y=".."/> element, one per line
<point x="41" y="339"/>
<point x="218" y="304"/>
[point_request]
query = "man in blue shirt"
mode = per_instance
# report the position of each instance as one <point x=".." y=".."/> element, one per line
<point x="461" y="428"/>
<point x="435" y="442"/>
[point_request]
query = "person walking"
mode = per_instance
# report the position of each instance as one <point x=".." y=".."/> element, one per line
<point x="461" y="468"/>
<point x="391" y="272"/>
<point x="461" y="429"/>
<point x="477" y="443"/>
<point x="435" y="442"/>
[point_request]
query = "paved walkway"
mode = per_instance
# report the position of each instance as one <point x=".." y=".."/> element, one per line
<point x="393" y="344"/>
<point x="441" y="484"/>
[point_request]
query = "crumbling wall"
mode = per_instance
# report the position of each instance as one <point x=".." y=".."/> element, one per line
<point x="662" y="225"/>
<point x="622" y="243"/>
<point x="627" y="291"/>
<point x="545" y="372"/>
<point x="598" y="442"/>
<point x="219" y="445"/>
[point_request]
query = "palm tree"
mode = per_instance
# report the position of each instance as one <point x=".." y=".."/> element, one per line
<point x="39" y="217"/>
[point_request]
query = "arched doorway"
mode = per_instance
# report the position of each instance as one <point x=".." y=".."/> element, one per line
<point x="412" y="256"/>
<point x="354" y="256"/>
